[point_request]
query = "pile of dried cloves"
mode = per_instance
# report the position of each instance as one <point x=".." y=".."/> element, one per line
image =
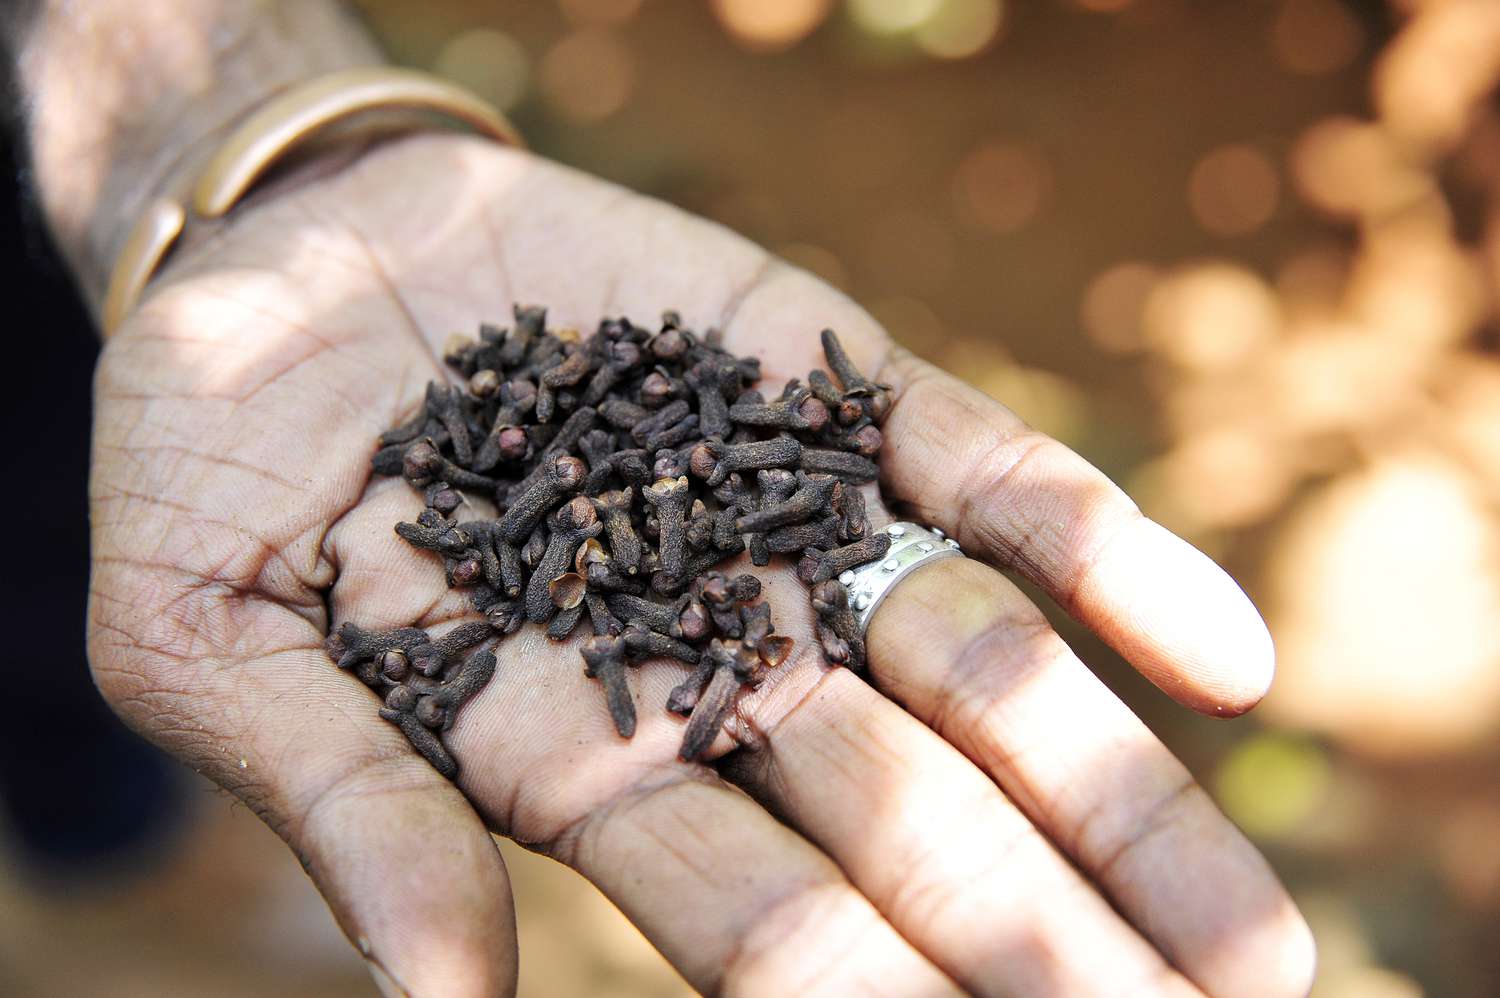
<point x="625" y="467"/>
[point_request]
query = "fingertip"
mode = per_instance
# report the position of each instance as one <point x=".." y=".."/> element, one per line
<point x="415" y="880"/>
<point x="1277" y="959"/>
<point x="1299" y="965"/>
<point x="1250" y="675"/>
<point x="1180" y="619"/>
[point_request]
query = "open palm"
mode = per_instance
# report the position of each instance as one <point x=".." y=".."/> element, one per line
<point x="983" y="815"/>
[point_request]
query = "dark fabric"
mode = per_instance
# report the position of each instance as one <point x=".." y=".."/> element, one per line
<point x="76" y="786"/>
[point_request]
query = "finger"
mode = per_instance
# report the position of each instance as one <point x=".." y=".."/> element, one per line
<point x="405" y="864"/>
<point x="971" y="466"/>
<point x="738" y="902"/>
<point x="939" y="850"/>
<point x="997" y="682"/>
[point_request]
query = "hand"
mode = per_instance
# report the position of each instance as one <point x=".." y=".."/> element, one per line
<point x="982" y="815"/>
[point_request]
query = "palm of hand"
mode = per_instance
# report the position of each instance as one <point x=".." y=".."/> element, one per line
<point x="235" y="521"/>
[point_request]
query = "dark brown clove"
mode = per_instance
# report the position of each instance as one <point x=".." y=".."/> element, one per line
<point x="686" y="694"/>
<point x="800" y="411"/>
<point x="659" y="389"/>
<point x="818" y="566"/>
<point x="659" y="420"/>
<point x="431" y="658"/>
<point x="820" y="533"/>
<point x="622" y="414"/>
<point x="424" y="741"/>
<point x="658" y="617"/>
<point x="434" y="532"/>
<point x="619" y="358"/>
<point x="438" y="709"/>
<point x="732" y="668"/>
<point x="422" y="463"/>
<point x="604" y="659"/>
<point x="643" y="643"/>
<point x="875" y="397"/>
<point x="662" y="457"/>
<point x="564" y="474"/>
<point x="603" y="577"/>
<point x="506" y="616"/>
<point x="713" y="459"/>
<point x="830" y="601"/>
<point x="669" y="498"/>
<point x="711" y="381"/>
<point x="624" y="543"/>
<point x="849" y="504"/>
<point x="600" y="619"/>
<point x="445" y="403"/>
<point x="564" y="622"/>
<point x="694" y="621"/>
<point x="862" y="438"/>
<point x="575" y="523"/>
<point x="846" y="465"/>
<point x="354" y="644"/>
<point x="811" y="498"/>
<point x="598" y="449"/>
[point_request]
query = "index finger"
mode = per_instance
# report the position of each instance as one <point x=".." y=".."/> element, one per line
<point x="969" y="465"/>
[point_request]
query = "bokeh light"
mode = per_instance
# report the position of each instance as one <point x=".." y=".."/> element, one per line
<point x="771" y="25"/>
<point x="960" y="28"/>
<point x="490" y="62"/>
<point x="1312" y="281"/>
<point x="1439" y="66"/>
<point x="1002" y="186"/>
<point x="1312" y="37"/>
<point x="1112" y="305"/>
<point x="1355" y="169"/>
<point x="1388" y="611"/>
<point x="1417" y="288"/>
<point x="1211" y="317"/>
<point x="1049" y="402"/>
<point x="1272" y="782"/>
<point x="588" y="76"/>
<point x="892" y="17"/>
<point x="1220" y="477"/>
<point x="1233" y="190"/>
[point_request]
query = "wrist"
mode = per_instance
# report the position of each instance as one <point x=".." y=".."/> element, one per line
<point x="124" y="102"/>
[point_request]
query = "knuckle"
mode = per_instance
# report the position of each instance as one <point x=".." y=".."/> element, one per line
<point x="1008" y="649"/>
<point x="1000" y="507"/>
<point x="577" y="837"/>
<point x="1104" y="840"/>
<point x="758" y="962"/>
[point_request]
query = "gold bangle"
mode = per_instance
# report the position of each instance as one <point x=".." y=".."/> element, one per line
<point x="267" y="135"/>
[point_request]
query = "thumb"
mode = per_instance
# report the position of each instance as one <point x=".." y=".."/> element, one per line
<point x="407" y="867"/>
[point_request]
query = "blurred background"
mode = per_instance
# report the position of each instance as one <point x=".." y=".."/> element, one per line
<point x="1245" y="256"/>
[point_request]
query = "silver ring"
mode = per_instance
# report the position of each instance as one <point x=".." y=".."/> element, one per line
<point x="912" y="545"/>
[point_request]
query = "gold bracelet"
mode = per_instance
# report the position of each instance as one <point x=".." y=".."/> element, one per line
<point x="267" y="135"/>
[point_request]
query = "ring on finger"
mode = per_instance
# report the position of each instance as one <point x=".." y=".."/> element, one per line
<point x="912" y="546"/>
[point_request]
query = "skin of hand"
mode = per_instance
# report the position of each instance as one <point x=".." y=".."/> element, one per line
<point x="981" y="816"/>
